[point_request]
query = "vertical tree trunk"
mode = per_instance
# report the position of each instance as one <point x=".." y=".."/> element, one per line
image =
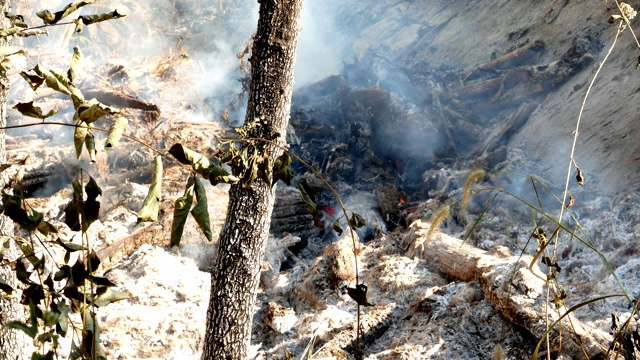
<point x="13" y="344"/>
<point x="235" y="278"/>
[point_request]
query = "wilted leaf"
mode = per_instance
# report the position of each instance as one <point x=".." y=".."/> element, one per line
<point x="79" y="136"/>
<point x="93" y="110"/>
<point x="78" y="273"/>
<point x="28" y="109"/>
<point x="75" y="207"/>
<point x="69" y="246"/>
<point x="91" y="338"/>
<point x="189" y="157"/>
<point x="571" y="202"/>
<point x="359" y="294"/>
<point x="53" y="81"/>
<point x="63" y="273"/>
<point x="33" y="79"/>
<point x="579" y="177"/>
<point x="90" y="144"/>
<point x="16" y="20"/>
<point x="357" y="221"/>
<point x="110" y="296"/>
<point x="92" y="19"/>
<point x="116" y="130"/>
<point x="63" y="321"/>
<point x="282" y="170"/>
<point x="4" y="286"/>
<point x="337" y="228"/>
<point x="51" y="18"/>
<point x="26" y="249"/>
<point x="201" y="165"/>
<point x="559" y="298"/>
<point x="8" y="32"/>
<point x="73" y="66"/>
<point x="200" y="211"/>
<point x="47" y="228"/>
<point x="93" y="262"/>
<point x="308" y="195"/>
<point x="101" y="281"/>
<point x="181" y="212"/>
<point x="218" y="175"/>
<point x="4" y="167"/>
<point x="13" y="209"/>
<point x="10" y="50"/>
<point x="151" y="205"/>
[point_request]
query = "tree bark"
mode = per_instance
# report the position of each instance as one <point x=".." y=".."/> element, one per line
<point x="235" y="277"/>
<point x="13" y="344"/>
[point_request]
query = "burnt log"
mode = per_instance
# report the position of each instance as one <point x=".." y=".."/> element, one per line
<point x="524" y="55"/>
<point x="514" y="290"/>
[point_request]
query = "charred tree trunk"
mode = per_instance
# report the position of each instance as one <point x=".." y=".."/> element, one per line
<point x="12" y="343"/>
<point x="243" y="238"/>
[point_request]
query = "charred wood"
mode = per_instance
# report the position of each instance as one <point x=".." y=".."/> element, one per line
<point x="516" y="292"/>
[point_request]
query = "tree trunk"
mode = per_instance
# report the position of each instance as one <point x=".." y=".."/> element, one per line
<point x="235" y="277"/>
<point x="13" y="344"/>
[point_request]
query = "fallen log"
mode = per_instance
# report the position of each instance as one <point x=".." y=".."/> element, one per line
<point x="524" y="55"/>
<point x="518" y="293"/>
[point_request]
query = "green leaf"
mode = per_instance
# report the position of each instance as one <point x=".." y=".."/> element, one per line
<point x="181" y="212"/>
<point x="63" y="273"/>
<point x="16" y="20"/>
<point x="50" y="18"/>
<point x="73" y="66"/>
<point x="63" y="321"/>
<point x="282" y="170"/>
<point x="151" y="204"/>
<point x="92" y="19"/>
<point x="93" y="110"/>
<point x="69" y="246"/>
<point x="5" y="286"/>
<point x="110" y="296"/>
<point x="32" y="330"/>
<point x="91" y="338"/>
<point x="79" y="136"/>
<point x="116" y="130"/>
<point x="8" y="32"/>
<point x="200" y="211"/>
<point x="357" y="221"/>
<point x="308" y="195"/>
<point x="28" y="109"/>
<point x="33" y="79"/>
